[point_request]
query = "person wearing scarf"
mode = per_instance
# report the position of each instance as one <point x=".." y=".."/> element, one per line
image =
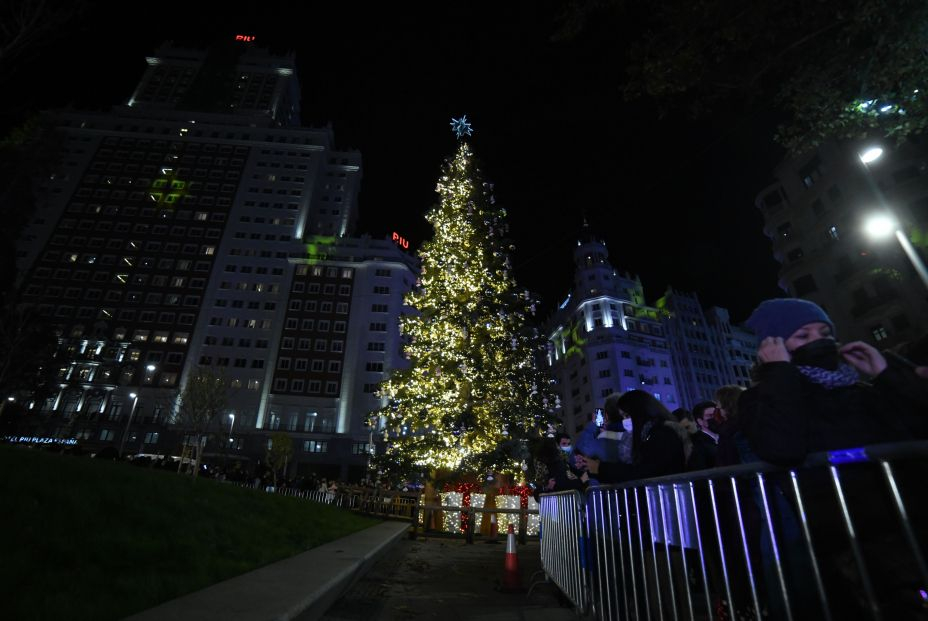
<point x="812" y="394"/>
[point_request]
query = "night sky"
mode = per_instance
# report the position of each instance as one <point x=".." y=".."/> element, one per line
<point x="672" y="197"/>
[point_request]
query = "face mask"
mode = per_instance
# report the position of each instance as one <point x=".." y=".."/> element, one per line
<point x="567" y="449"/>
<point x="821" y="353"/>
<point x="627" y="424"/>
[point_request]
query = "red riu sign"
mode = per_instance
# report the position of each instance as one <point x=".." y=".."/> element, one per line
<point x="244" y="37"/>
<point x="400" y="241"/>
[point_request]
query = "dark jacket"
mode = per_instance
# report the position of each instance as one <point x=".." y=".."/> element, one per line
<point x="665" y="450"/>
<point x="554" y="466"/>
<point x="786" y="416"/>
<point x="732" y="444"/>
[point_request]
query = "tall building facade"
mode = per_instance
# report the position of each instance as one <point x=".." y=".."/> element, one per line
<point x="605" y="339"/>
<point x="815" y="214"/>
<point x="707" y="350"/>
<point x="201" y="225"/>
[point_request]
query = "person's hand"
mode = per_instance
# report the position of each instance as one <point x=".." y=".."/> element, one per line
<point x="772" y="349"/>
<point x="579" y="461"/>
<point x="863" y="357"/>
<point x="585" y="477"/>
<point x="550" y="485"/>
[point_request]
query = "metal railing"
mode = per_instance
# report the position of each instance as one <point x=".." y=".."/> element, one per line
<point x="841" y="537"/>
<point x="564" y="545"/>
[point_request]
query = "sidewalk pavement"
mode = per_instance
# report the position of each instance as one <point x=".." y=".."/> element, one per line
<point x="301" y="587"/>
<point x="447" y="579"/>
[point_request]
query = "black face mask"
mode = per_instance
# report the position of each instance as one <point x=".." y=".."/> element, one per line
<point x="822" y="353"/>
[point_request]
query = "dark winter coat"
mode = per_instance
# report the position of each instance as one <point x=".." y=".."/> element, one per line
<point x="553" y="465"/>
<point x="704" y="453"/>
<point x="785" y="416"/>
<point x="665" y="449"/>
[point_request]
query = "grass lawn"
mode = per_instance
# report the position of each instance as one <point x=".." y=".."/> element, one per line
<point x="98" y="540"/>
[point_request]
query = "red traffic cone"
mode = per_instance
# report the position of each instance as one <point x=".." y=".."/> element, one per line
<point x="512" y="582"/>
<point x="494" y="530"/>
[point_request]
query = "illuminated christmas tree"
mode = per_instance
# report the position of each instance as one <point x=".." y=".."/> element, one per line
<point x="473" y="396"/>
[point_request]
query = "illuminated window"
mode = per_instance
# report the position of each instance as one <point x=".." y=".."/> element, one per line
<point x="315" y="446"/>
<point x="879" y="333"/>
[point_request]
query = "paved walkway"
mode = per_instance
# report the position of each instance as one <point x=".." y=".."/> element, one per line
<point x="447" y="579"/>
<point x="379" y="574"/>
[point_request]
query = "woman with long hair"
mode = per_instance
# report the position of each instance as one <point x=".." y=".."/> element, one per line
<point x="660" y="444"/>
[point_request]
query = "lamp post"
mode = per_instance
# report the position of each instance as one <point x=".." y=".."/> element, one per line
<point x="125" y="434"/>
<point x="231" y="427"/>
<point x="881" y="225"/>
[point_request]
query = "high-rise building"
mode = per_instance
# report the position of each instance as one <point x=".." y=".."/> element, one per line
<point x="708" y="351"/>
<point x="605" y="339"/>
<point x="201" y="224"/>
<point x="815" y="214"/>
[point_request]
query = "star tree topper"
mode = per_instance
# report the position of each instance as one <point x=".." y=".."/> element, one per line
<point x="461" y="126"/>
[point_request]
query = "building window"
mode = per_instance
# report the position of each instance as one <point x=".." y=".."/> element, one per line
<point x="879" y="333"/>
<point x="315" y="446"/>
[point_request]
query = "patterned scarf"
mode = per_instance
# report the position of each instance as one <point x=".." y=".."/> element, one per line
<point x="844" y="375"/>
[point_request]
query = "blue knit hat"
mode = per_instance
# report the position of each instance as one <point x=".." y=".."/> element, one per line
<point x="783" y="316"/>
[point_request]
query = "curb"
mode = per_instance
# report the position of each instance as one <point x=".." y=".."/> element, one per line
<point x="302" y="587"/>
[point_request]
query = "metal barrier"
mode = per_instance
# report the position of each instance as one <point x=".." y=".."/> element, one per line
<point x="563" y="545"/>
<point x="841" y="537"/>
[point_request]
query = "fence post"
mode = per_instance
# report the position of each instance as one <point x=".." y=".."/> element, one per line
<point x="470" y="525"/>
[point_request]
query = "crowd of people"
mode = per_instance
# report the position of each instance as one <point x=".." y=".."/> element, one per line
<point x="809" y="393"/>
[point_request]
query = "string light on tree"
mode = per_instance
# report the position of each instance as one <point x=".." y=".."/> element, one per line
<point x="471" y="346"/>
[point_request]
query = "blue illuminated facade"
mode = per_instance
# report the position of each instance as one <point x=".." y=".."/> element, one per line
<point x="708" y="351"/>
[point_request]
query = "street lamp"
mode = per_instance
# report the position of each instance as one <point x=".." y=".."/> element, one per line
<point x="870" y="154"/>
<point x="125" y="434"/>
<point x="881" y="226"/>
<point x="231" y="426"/>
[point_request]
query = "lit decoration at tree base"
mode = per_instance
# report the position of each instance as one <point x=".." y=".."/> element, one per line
<point x="516" y="497"/>
<point x="455" y="521"/>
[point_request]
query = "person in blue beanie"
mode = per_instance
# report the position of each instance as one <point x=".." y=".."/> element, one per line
<point x="813" y="394"/>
